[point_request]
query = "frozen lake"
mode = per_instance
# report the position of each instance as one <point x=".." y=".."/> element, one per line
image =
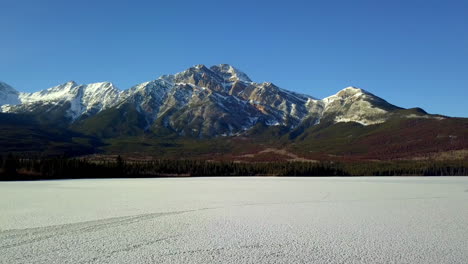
<point x="235" y="220"/>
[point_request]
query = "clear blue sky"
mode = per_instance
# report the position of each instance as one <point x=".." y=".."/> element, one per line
<point x="411" y="53"/>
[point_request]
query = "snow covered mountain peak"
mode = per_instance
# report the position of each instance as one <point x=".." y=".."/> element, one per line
<point x="230" y="74"/>
<point x="100" y="85"/>
<point x="345" y="93"/>
<point x="73" y="99"/>
<point x="200" y="66"/>
<point x="100" y="91"/>
<point x="8" y="95"/>
<point x="98" y="96"/>
<point x="65" y="91"/>
<point x="352" y="90"/>
<point x="353" y="104"/>
<point x="194" y="70"/>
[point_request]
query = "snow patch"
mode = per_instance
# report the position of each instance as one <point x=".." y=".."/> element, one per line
<point x="358" y="119"/>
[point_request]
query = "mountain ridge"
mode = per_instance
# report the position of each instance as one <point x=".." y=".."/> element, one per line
<point x="224" y="99"/>
<point x="219" y="111"/>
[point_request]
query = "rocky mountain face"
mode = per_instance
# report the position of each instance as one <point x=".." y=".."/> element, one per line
<point x="198" y="102"/>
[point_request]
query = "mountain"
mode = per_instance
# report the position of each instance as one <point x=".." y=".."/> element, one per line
<point x="8" y="95"/>
<point x="69" y="101"/>
<point x="201" y="103"/>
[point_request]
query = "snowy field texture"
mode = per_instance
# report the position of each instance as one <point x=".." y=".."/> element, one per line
<point x="236" y="220"/>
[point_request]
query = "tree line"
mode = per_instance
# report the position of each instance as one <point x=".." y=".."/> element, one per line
<point x="20" y="168"/>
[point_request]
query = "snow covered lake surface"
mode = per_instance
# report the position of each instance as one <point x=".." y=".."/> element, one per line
<point x="235" y="220"/>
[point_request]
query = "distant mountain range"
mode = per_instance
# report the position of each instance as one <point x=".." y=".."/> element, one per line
<point x="217" y="109"/>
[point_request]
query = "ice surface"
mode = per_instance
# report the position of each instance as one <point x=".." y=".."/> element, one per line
<point x="235" y="220"/>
